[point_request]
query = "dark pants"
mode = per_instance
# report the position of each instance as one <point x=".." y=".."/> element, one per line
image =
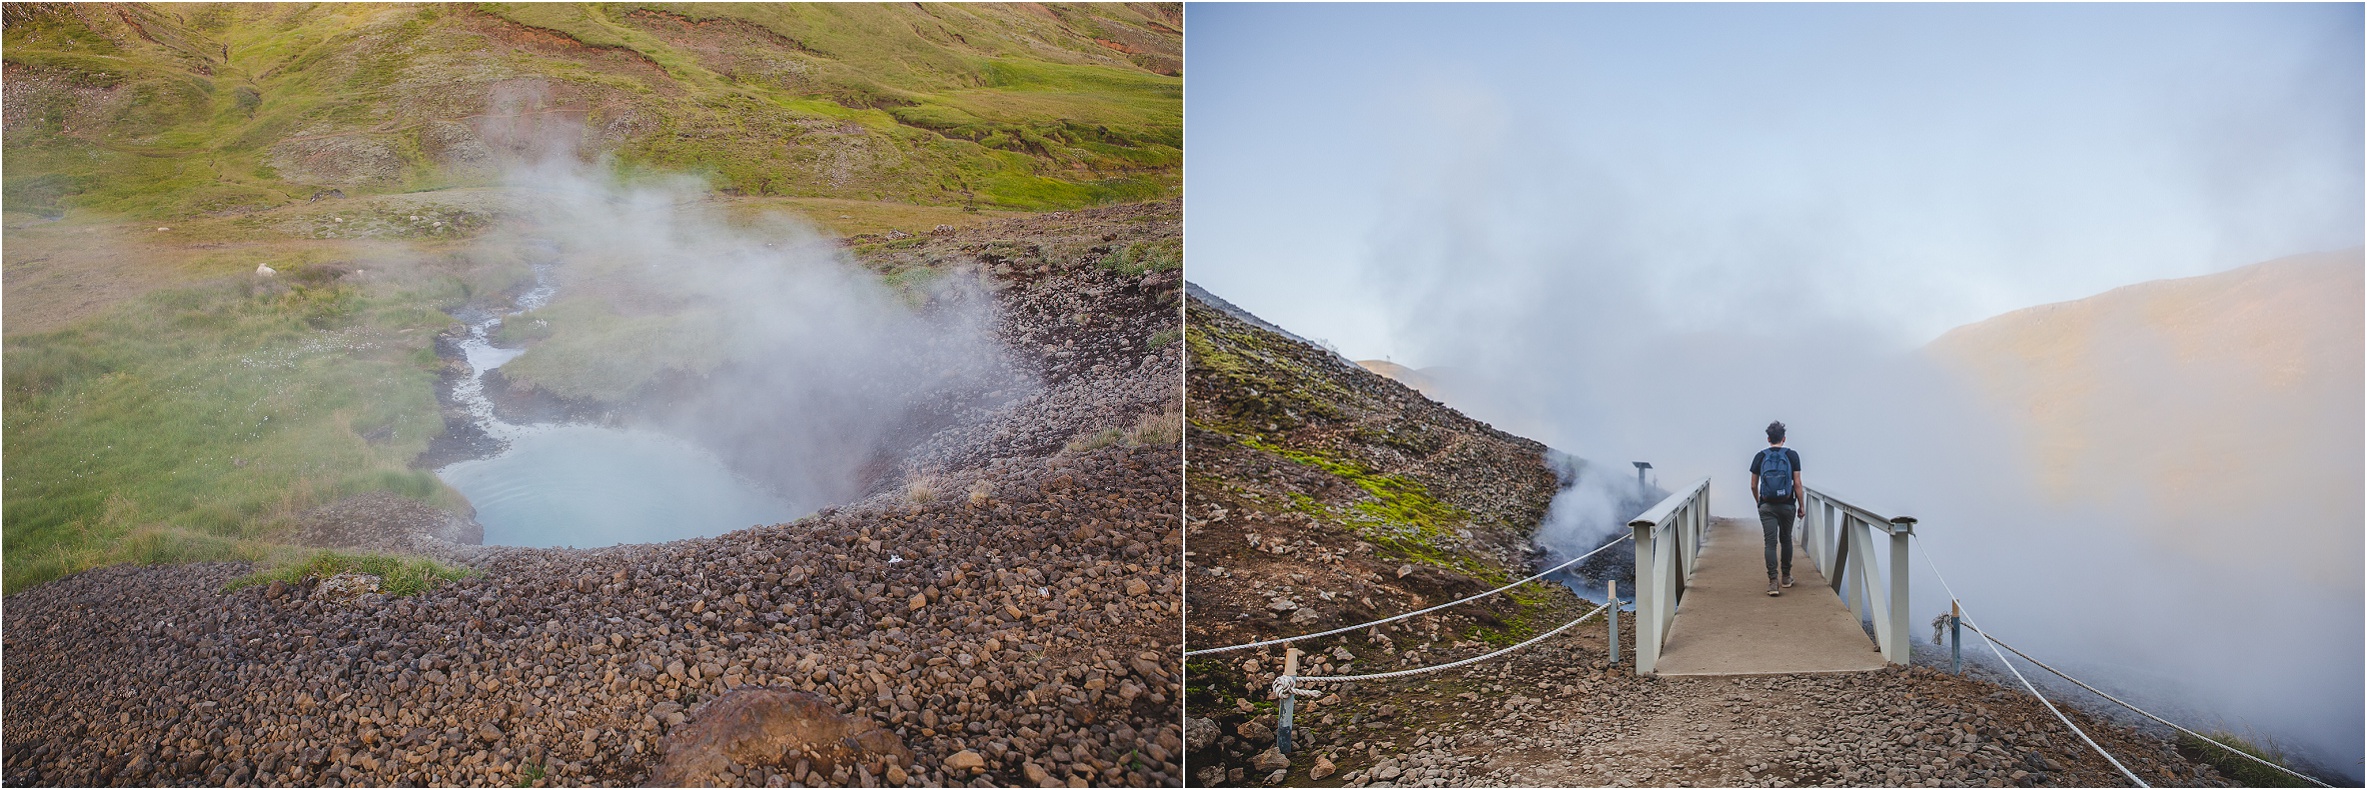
<point x="1775" y="523"/>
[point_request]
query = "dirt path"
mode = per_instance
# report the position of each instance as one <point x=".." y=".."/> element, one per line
<point x="1555" y="716"/>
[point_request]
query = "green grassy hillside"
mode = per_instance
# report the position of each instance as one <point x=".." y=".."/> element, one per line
<point x="163" y="402"/>
<point x="177" y="110"/>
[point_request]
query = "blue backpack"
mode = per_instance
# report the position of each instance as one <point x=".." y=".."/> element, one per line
<point x="1775" y="475"/>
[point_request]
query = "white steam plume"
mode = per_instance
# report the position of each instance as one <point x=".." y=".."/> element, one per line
<point x="800" y="368"/>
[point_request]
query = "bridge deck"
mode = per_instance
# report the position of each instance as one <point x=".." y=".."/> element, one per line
<point x="1727" y="625"/>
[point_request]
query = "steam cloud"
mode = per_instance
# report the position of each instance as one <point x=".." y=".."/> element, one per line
<point x="1599" y="314"/>
<point x="802" y="370"/>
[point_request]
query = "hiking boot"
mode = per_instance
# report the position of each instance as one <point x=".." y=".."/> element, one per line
<point x="1787" y="580"/>
<point x="1771" y="587"/>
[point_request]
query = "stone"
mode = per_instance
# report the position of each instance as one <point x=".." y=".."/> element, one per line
<point x="1323" y="768"/>
<point x="1278" y="776"/>
<point x="755" y="726"/>
<point x="1037" y="775"/>
<point x="347" y="586"/>
<point x="1254" y="733"/>
<point x="1270" y="759"/>
<point x="1200" y="732"/>
<point x="965" y="762"/>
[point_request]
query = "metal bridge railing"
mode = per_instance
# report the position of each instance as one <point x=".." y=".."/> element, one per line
<point x="1668" y="545"/>
<point x="1839" y="537"/>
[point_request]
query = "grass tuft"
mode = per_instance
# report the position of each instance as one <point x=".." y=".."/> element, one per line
<point x="397" y="576"/>
<point x="1095" y="440"/>
<point x="1134" y="260"/>
<point x="1157" y="429"/>
<point x="2246" y="773"/>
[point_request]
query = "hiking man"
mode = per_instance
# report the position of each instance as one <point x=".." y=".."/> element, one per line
<point x="1775" y="484"/>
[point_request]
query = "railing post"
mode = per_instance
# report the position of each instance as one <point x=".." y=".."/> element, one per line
<point x="1955" y="638"/>
<point x="1901" y="528"/>
<point x="1613" y="588"/>
<point x="1290" y="668"/>
<point x="1647" y="600"/>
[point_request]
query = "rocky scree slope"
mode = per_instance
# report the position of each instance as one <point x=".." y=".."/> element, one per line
<point x="1011" y="621"/>
<point x="1324" y="495"/>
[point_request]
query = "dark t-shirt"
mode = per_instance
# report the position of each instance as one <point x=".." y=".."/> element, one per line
<point x="1760" y="457"/>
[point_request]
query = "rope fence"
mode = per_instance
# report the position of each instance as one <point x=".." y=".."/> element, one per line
<point x="1384" y="621"/>
<point x="1452" y="664"/>
<point x="2042" y="700"/>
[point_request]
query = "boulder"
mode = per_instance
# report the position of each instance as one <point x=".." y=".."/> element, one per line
<point x="767" y="727"/>
<point x="1200" y="732"/>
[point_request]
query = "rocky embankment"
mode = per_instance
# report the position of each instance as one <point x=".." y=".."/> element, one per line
<point x="1324" y="495"/>
<point x="1004" y="612"/>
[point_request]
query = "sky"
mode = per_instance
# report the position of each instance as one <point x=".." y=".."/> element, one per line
<point x="1640" y="232"/>
<point x="1905" y="168"/>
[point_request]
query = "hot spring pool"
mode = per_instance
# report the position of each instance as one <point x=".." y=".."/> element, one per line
<point x="588" y="485"/>
<point x="583" y="486"/>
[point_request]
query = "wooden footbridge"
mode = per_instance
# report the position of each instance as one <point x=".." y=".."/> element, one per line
<point x="1701" y="602"/>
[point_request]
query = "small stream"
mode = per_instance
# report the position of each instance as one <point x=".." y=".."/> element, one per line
<point x="590" y="485"/>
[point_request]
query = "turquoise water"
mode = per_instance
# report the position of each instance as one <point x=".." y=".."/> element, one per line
<point x="584" y="486"/>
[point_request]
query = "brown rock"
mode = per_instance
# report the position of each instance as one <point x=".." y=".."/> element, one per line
<point x="964" y="762"/>
<point x="755" y="726"/>
<point x="1271" y="760"/>
<point x="1323" y="768"/>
